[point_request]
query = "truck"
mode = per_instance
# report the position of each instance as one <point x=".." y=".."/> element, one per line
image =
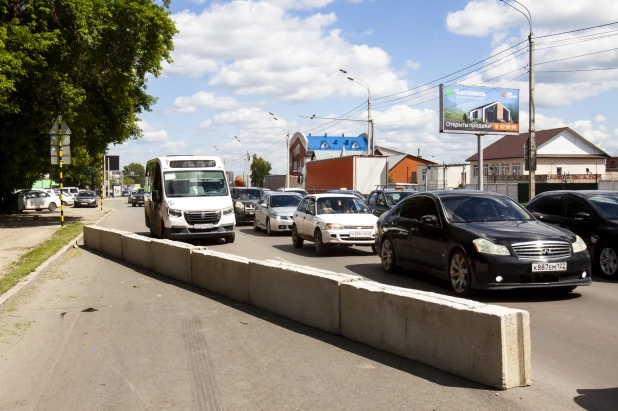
<point x="274" y="182"/>
<point x="361" y="173"/>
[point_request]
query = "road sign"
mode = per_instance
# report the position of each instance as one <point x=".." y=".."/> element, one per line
<point x="66" y="155"/>
<point x="66" y="139"/>
<point x="63" y="126"/>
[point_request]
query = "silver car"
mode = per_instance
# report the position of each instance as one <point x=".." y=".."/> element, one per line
<point x="275" y="210"/>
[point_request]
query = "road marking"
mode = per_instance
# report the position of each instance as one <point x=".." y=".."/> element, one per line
<point x="284" y="260"/>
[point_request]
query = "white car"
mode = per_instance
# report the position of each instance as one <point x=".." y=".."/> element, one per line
<point x="333" y="219"/>
<point x="274" y="212"/>
<point x="40" y="199"/>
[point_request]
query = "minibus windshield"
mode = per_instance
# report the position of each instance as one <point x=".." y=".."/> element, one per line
<point x="196" y="183"/>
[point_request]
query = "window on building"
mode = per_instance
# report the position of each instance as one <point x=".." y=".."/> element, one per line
<point x="355" y="145"/>
<point x="613" y="164"/>
<point x="475" y="172"/>
<point x="505" y="169"/>
<point x="414" y="179"/>
<point x="516" y="169"/>
<point x="485" y="169"/>
<point x="324" y="145"/>
<point x="559" y="171"/>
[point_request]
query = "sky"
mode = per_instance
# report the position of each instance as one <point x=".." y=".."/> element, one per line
<point x="236" y="61"/>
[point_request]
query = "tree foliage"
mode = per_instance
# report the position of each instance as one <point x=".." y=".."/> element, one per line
<point x="134" y="173"/>
<point x="260" y="168"/>
<point x="87" y="60"/>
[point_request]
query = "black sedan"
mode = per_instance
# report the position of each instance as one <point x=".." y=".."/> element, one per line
<point x="592" y="215"/>
<point x="480" y="240"/>
<point x="86" y="199"/>
<point x="138" y="198"/>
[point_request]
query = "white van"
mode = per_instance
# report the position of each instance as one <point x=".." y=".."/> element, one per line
<point x="188" y="197"/>
<point x="74" y="191"/>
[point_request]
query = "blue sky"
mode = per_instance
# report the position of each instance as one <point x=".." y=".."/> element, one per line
<point x="236" y="61"/>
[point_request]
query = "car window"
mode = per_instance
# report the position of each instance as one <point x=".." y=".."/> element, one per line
<point x="302" y="208"/>
<point x="372" y="199"/>
<point x="394" y="198"/>
<point x="410" y="209"/>
<point x="547" y="205"/>
<point x="285" y="201"/>
<point x="341" y="205"/>
<point x="427" y="206"/>
<point x="606" y="205"/>
<point x="573" y="205"/>
<point x="311" y="206"/>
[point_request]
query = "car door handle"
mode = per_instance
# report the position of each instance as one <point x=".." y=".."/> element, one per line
<point x="413" y="229"/>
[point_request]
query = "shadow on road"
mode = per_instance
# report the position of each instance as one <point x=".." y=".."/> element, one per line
<point x="600" y="399"/>
<point x="262" y="232"/>
<point x="40" y="219"/>
<point x="337" y="251"/>
<point x="408" y="366"/>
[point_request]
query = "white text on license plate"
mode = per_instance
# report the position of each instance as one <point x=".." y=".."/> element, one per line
<point x="360" y="234"/>
<point x="549" y="267"/>
<point x="202" y="226"/>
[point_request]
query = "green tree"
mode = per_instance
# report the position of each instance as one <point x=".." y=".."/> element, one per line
<point x="134" y="173"/>
<point x="260" y="168"/>
<point x="87" y="60"/>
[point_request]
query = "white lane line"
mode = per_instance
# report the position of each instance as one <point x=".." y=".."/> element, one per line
<point x="284" y="260"/>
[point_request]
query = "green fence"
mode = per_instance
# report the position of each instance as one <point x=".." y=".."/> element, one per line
<point x="522" y="188"/>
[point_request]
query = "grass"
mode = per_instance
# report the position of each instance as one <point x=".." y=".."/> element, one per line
<point x="34" y="258"/>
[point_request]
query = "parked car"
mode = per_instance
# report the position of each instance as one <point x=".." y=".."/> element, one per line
<point x="480" y="240"/>
<point x="295" y="190"/>
<point x="138" y="198"/>
<point x="592" y="215"/>
<point x="39" y="199"/>
<point x="245" y="200"/>
<point x="275" y="210"/>
<point x="353" y="192"/>
<point x="380" y="201"/>
<point x="86" y="199"/>
<point x="126" y="193"/>
<point x="68" y="199"/>
<point x="333" y="219"/>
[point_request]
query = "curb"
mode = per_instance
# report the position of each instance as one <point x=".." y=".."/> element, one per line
<point x="28" y="281"/>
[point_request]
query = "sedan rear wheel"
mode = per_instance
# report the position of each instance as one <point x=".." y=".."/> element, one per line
<point x="268" y="229"/>
<point x="319" y="246"/>
<point x="52" y="207"/>
<point x="608" y="261"/>
<point x="460" y="274"/>
<point x="389" y="260"/>
<point x="255" y="225"/>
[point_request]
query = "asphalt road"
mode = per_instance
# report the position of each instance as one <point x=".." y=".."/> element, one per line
<point x="99" y="334"/>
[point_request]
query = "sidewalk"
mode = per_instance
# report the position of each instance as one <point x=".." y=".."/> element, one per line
<point x="20" y="233"/>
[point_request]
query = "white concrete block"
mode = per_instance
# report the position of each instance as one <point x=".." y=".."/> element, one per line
<point x="171" y="259"/>
<point x="221" y="273"/>
<point x="92" y="237"/>
<point x="484" y="343"/>
<point x="300" y="293"/>
<point x="111" y="242"/>
<point x="136" y="250"/>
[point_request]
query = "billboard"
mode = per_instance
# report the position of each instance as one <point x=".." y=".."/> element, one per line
<point x="112" y="163"/>
<point x="478" y="110"/>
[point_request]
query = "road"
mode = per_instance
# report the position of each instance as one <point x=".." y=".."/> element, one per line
<point x="153" y="343"/>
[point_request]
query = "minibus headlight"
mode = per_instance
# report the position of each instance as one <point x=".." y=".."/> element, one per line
<point x="228" y="211"/>
<point x="174" y="213"/>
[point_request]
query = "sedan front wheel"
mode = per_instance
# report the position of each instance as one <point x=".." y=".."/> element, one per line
<point x="389" y="260"/>
<point x="460" y="275"/>
<point x="608" y="261"/>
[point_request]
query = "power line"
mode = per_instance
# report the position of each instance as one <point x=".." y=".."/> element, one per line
<point x="572" y="71"/>
<point x="573" y="31"/>
<point x="574" y="57"/>
<point x="594" y="36"/>
<point x="332" y="121"/>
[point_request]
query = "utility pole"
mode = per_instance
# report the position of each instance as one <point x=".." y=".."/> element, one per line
<point x="481" y="168"/>
<point x="287" y="152"/>
<point x="248" y="177"/>
<point x="370" y="145"/>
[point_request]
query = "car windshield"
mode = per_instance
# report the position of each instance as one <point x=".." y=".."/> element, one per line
<point x="249" y="194"/>
<point x="463" y="209"/>
<point x="301" y="192"/>
<point x="394" y="198"/>
<point x="195" y="184"/>
<point x="341" y="205"/>
<point x="606" y="205"/>
<point x="285" y="201"/>
<point x="86" y="194"/>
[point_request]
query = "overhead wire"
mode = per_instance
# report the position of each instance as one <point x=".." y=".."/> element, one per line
<point x="574" y="31"/>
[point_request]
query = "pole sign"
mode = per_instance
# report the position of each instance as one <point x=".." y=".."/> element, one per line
<point x="478" y="110"/>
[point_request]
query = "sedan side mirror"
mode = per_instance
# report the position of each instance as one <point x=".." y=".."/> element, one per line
<point x="430" y="220"/>
<point x="582" y="216"/>
<point x="263" y="205"/>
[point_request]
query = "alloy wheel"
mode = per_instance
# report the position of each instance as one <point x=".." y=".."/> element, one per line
<point x="388" y="256"/>
<point x="608" y="261"/>
<point x="459" y="274"/>
<point x="268" y="228"/>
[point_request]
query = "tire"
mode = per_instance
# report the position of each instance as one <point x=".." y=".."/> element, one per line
<point x="607" y="261"/>
<point x="269" y="230"/>
<point x="388" y="257"/>
<point x="318" y="245"/>
<point x="297" y="242"/>
<point x="460" y="275"/>
<point x="373" y="250"/>
<point x="134" y="204"/>
<point x="255" y="225"/>
<point x="230" y="239"/>
<point x="146" y="221"/>
<point x="52" y="207"/>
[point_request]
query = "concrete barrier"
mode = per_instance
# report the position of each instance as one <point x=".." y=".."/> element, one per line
<point x="484" y="343"/>
<point x="224" y="274"/>
<point x="136" y="250"/>
<point x="300" y="293"/>
<point x="171" y="259"/>
<point x="92" y="237"/>
<point x="111" y="242"/>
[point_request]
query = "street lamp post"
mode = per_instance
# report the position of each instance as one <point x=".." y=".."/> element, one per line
<point x="287" y="152"/>
<point x="369" y="120"/>
<point x="531" y="121"/>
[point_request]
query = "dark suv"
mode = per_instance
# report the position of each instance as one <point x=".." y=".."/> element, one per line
<point x="380" y="201"/>
<point x="592" y="215"/>
<point x="245" y="201"/>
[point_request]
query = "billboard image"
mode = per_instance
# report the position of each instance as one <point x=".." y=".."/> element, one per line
<point x="478" y="110"/>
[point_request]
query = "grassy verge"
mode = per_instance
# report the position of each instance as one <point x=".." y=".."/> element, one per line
<point x="34" y="258"/>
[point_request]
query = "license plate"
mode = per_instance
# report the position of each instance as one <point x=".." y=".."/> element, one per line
<point x="202" y="226"/>
<point x="84" y="203"/>
<point x="360" y="234"/>
<point x="549" y="267"/>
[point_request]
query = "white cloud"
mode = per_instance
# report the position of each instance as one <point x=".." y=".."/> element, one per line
<point x="282" y="55"/>
<point x="152" y="133"/>
<point x="203" y="99"/>
<point x="174" y="145"/>
<point x="414" y="65"/>
<point x="599" y="118"/>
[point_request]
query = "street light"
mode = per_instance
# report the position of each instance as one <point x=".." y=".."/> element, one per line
<point x="369" y="120"/>
<point x="287" y="153"/>
<point x="531" y="120"/>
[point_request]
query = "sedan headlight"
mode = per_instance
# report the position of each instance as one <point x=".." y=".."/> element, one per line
<point x="333" y="226"/>
<point x="174" y="213"/>
<point x="487" y="247"/>
<point x="238" y="205"/>
<point x="578" y="245"/>
<point x="228" y="211"/>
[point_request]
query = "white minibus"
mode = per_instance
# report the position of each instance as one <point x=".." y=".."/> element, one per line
<point x="188" y="197"/>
